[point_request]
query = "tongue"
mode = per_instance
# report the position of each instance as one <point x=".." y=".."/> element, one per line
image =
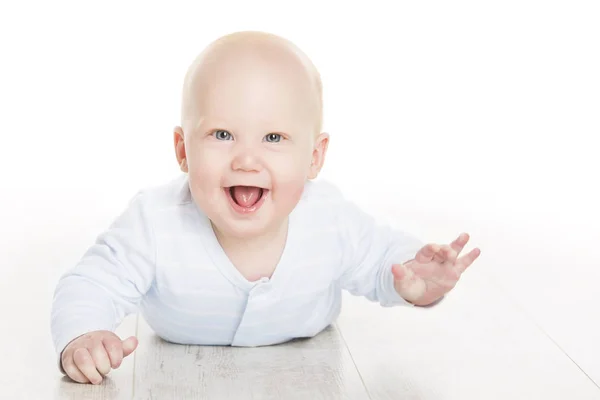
<point x="246" y="196"/>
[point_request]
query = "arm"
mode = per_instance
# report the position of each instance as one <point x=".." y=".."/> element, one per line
<point x="108" y="282"/>
<point x="370" y="250"/>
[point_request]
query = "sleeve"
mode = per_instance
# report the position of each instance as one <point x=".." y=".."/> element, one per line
<point x="370" y="250"/>
<point x="108" y="282"/>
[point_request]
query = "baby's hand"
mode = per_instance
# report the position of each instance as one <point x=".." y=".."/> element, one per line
<point x="434" y="271"/>
<point x="88" y="358"/>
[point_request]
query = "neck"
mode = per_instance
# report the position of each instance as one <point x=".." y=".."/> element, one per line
<point x="255" y="243"/>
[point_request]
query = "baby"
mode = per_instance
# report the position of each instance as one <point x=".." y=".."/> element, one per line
<point x="246" y="248"/>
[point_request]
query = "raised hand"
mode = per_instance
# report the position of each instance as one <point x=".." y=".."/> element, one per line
<point x="434" y="271"/>
<point x="88" y="358"/>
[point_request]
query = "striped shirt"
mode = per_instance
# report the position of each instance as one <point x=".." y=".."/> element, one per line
<point x="161" y="257"/>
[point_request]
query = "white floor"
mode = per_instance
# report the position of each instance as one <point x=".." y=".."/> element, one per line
<point x="522" y="324"/>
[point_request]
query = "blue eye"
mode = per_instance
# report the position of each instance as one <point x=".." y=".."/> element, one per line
<point x="222" y="135"/>
<point x="273" y="137"/>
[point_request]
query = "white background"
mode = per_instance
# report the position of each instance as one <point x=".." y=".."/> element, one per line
<point x="444" y="117"/>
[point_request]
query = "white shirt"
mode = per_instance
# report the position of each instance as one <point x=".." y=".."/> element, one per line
<point x="161" y="257"/>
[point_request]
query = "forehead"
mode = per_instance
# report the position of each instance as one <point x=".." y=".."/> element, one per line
<point x="255" y="92"/>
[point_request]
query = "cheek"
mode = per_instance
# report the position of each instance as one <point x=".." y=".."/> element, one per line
<point x="291" y="167"/>
<point x="287" y="194"/>
<point x="204" y="163"/>
<point x="205" y="171"/>
<point x="201" y="174"/>
<point x="288" y="183"/>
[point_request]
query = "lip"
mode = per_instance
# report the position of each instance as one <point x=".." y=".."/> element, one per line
<point x="246" y="210"/>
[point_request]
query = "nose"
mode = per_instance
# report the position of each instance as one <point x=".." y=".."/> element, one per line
<point x="246" y="160"/>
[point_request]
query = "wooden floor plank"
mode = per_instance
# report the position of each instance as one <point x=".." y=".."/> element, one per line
<point x="553" y="270"/>
<point x="317" y="368"/>
<point x="473" y="345"/>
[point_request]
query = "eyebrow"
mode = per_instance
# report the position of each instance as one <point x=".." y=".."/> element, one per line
<point x="214" y="121"/>
<point x="201" y="120"/>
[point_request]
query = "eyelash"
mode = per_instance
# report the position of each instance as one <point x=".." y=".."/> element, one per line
<point x="215" y="133"/>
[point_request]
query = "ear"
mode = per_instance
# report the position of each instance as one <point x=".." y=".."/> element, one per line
<point x="318" y="155"/>
<point x="179" y="141"/>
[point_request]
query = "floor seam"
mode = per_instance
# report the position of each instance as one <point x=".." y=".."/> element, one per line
<point x="518" y="305"/>
<point x="353" y="361"/>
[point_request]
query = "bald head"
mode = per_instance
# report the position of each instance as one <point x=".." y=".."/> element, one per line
<point x="249" y="67"/>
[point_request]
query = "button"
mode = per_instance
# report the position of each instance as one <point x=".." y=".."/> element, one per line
<point x="261" y="287"/>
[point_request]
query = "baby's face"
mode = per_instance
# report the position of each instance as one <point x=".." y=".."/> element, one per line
<point x="251" y="144"/>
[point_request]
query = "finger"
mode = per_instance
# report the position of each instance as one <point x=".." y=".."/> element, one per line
<point x="448" y="254"/>
<point x="85" y="363"/>
<point x="439" y="256"/>
<point x="129" y="345"/>
<point x="459" y="243"/>
<point x="72" y="371"/>
<point x="465" y="261"/>
<point x="427" y="253"/>
<point x="114" y="349"/>
<point x="100" y="357"/>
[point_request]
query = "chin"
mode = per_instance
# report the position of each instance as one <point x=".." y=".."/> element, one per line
<point x="241" y="230"/>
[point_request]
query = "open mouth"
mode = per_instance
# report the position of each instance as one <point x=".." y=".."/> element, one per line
<point x="246" y="199"/>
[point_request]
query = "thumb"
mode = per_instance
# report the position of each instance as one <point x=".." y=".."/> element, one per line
<point x="129" y="345"/>
<point x="401" y="272"/>
<point x="407" y="284"/>
<point x="404" y="278"/>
